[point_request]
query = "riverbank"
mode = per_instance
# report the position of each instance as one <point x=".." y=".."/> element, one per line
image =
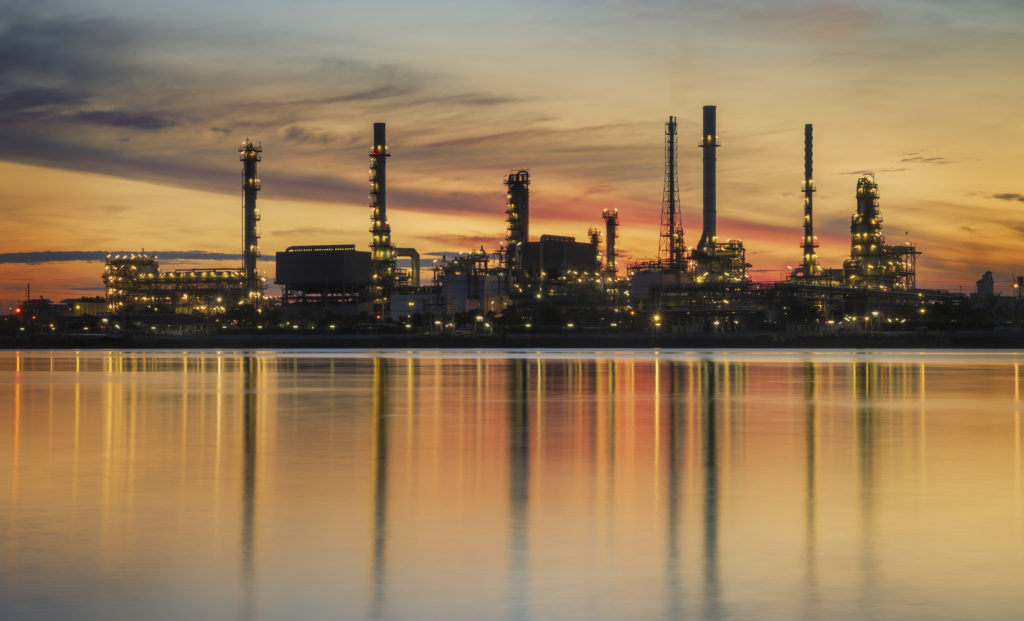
<point x="965" y="339"/>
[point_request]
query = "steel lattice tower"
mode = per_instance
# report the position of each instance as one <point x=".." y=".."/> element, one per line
<point x="670" y="249"/>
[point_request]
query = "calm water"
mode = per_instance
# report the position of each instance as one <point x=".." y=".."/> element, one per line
<point x="511" y="485"/>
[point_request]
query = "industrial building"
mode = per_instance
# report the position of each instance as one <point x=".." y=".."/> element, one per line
<point x="551" y="280"/>
<point x="322" y="274"/>
<point x="134" y="282"/>
<point x="339" y="279"/>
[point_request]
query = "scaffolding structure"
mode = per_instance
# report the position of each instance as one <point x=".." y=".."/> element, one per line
<point x="671" y="247"/>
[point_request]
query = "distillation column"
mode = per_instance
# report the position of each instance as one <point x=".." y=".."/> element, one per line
<point x="864" y="268"/>
<point x="811" y="268"/>
<point x="671" y="247"/>
<point x="709" y="142"/>
<point x="518" y="212"/>
<point x="611" y="223"/>
<point x="249" y="154"/>
<point x="382" y="257"/>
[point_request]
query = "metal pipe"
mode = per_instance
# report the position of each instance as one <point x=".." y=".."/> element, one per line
<point x="414" y="258"/>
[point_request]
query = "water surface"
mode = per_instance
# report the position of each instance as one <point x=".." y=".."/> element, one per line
<point x="511" y="485"/>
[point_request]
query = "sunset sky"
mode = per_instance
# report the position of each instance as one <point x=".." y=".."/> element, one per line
<point x="120" y="119"/>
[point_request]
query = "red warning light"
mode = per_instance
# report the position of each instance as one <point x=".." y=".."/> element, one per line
<point x="17" y="311"/>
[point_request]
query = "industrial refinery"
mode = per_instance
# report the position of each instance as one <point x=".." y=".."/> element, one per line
<point x="546" y="281"/>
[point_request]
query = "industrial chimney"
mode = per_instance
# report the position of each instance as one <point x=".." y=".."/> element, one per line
<point x="382" y="257"/>
<point x="810" y="262"/>
<point x="249" y="154"/>
<point x="709" y="142"/>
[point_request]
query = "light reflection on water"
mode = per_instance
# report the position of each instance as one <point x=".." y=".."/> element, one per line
<point x="520" y="485"/>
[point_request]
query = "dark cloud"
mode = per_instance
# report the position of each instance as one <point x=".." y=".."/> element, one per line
<point x="77" y="51"/>
<point x="294" y="133"/>
<point x="60" y="256"/>
<point x="34" y="98"/>
<point x="128" y="120"/>
<point x="1009" y="197"/>
<point x="967" y="228"/>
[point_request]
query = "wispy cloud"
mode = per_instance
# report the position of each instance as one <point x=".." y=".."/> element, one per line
<point x="871" y="172"/>
<point x="920" y="159"/>
<point x="128" y="120"/>
<point x="1009" y="196"/>
<point x="64" y="256"/>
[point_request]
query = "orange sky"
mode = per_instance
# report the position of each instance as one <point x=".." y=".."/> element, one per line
<point x="119" y="123"/>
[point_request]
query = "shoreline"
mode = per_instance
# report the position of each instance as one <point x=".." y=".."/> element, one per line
<point x="964" y="339"/>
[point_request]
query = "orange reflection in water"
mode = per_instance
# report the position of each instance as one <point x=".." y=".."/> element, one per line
<point x="629" y="484"/>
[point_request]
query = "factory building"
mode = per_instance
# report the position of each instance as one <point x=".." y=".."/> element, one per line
<point x="322" y="274"/>
<point x="560" y="257"/>
<point x="554" y="279"/>
<point x="340" y="279"/>
<point x="676" y="275"/>
<point x="134" y="282"/>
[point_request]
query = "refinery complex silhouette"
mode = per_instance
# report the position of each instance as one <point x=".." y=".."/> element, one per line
<point x="548" y="282"/>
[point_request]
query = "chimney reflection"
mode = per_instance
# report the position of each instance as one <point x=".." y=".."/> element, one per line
<point x="676" y="445"/>
<point x="866" y="379"/>
<point x="710" y="372"/>
<point x="250" y="403"/>
<point x="519" y="485"/>
<point x="811" y="442"/>
<point x="381" y="370"/>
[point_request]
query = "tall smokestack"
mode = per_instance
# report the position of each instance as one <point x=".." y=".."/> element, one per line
<point x="709" y="142"/>
<point x="249" y="154"/>
<point x="382" y="257"/>
<point x="810" y="258"/>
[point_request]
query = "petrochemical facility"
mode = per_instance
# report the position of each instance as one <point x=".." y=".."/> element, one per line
<point x="546" y="281"/>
